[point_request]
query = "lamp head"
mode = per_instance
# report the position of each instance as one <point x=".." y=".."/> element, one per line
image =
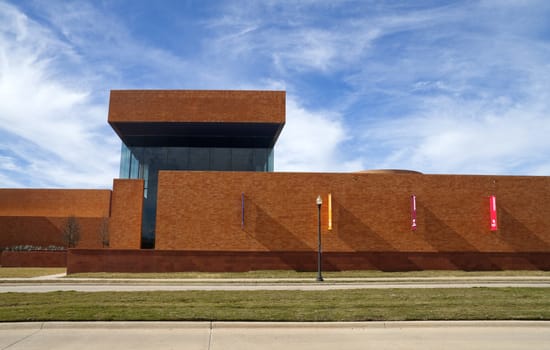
<point x="319" y="200"/>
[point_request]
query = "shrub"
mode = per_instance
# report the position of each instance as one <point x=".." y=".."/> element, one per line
<point x="30" y="248"/>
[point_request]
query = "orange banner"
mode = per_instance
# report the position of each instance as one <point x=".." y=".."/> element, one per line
<point x="330" y="211"/>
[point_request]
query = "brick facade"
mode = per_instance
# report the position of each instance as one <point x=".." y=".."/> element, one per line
<point x="196" y="106"/>
<point x="33" y="259"/>
<point x="200" y="224"/>
<point x="235" y="221"/>
<point x="126" y="211"/>
<point x="37" y="216"/>
<point x="371" y="212"/>
<point x="133" y="260"/>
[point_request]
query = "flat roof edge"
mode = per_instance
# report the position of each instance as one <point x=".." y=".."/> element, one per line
<point x="197" y="106"/>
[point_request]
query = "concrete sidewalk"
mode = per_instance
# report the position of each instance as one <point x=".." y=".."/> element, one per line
<point x="58" y="283"/>
<point x="287" y="336"/>
<point x="142" y="287"/>
<point x="62" y="277"/>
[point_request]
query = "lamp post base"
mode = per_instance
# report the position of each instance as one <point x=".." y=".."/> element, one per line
<point x="319" y="279"/>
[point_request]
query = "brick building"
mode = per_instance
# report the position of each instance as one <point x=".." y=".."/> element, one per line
<point x="197" y="191"/>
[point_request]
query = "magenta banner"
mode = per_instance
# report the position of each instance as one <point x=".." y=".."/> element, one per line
<point x="493" y="212"/>
<point x="413" y="212"/>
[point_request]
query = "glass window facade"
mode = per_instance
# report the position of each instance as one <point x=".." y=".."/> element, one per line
<point x="145" y="163"/>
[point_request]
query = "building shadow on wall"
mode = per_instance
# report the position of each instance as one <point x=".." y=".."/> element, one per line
<point x="360" y="237"/>
<point x="520" y="238"/>
<point x="30" y="230"/>
<point x="270" y="233"/>
<point x="453" y="247"/>
<point x="517" y="235"/>
<point x="441" y="236"/>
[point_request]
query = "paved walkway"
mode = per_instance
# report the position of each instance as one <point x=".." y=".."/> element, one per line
<point x="57" y="283"/>
<point x="152" y="286"/>
<point x="500" y="335"/>
<point x="62" y="277"/>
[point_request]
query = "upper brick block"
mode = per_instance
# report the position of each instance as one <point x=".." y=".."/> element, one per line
<point x="197" y="106"/>
<point x="55" y="203"/>
<point x="200" y="118"/>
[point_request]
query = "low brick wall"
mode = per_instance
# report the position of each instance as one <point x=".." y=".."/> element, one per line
<point x="113" y="260"/>
<point x="34" y="259"/>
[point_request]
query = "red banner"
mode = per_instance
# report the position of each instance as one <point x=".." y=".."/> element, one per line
<point x="413" y="212"/>
<point x="493" y="212"/>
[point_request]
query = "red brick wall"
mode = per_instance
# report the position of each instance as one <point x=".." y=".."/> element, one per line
<point x="196" y="106"/>
<point x="44" y="231"/>
<point x="126" y="209"/>
<point x="371" y="212"/>
<point x="54" y="202"/>
<point x="34" y="259"/>
<point x="37" y="216"/>
<point x="133" y="260"/>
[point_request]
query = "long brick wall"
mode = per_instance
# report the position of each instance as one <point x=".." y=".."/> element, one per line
<point x="37" y="216"/>
<point x="202" y="211"/>
<point x="133" y="260"/>
<point x="33" y="259"/>
<point x="200" y="223"/>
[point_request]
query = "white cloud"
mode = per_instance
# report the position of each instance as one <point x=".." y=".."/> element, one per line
<point x="311" y="141"/>
<point x="8" y="163"/>
<point x="464" y="137"/>
<point x="406" y="85"/>
<point x="55" y="129"/>
<point x="459" y="101"/>
<point x="295" y="47"/>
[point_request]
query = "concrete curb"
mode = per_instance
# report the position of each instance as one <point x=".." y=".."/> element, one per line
<point x="61" y="278"/>
<point x="264" y="325"/>
<point x="107" y="325"/>
<point x="380" y="324"/>
<point x="128" y="325"/>
<point x="312" y="280"/>
<point x="20" y="325"/>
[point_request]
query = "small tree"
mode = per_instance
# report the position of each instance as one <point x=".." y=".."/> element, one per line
<point x="71" y="232"/>
<point x="104" y="231"/>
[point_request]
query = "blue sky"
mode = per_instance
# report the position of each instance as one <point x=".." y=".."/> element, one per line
<point x="435" y="86"/>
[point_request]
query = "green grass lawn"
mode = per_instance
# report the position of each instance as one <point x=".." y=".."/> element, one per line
<point x="24" y="272"/>
<point x="339" y="305"/>
<point x="311" y="275"/>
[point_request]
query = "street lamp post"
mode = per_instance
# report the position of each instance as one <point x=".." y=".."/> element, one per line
<point x="319" y="250"/>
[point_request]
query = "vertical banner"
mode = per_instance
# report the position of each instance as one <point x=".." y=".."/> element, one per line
<point x="242" y="210"/>
<point x="413" y="212"/>
<point x="493" y="212"/>
<point x="329" y="211"/>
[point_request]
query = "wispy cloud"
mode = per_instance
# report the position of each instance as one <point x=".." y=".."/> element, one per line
<point x="453" y="137"/>
<point x="422" y="87"/>
<point x="107" y="48"/>
<point x="477" y="105"/>
<point x="460" y="87"/>
<point x="286" y="37"/>
<point x="47" y="122"/>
